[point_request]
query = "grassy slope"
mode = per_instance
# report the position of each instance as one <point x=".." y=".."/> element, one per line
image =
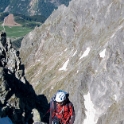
<point x="19" y="31"/>
<point x="15" y="32"/>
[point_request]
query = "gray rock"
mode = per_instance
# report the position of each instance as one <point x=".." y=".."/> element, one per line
<point x="36" y="116"/>
<point x="80" y="49"/>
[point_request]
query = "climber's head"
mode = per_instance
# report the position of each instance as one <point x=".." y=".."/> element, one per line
<point x="60" y="97"/>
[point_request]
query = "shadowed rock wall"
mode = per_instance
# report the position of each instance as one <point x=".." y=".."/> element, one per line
<point x="18" y="100"/>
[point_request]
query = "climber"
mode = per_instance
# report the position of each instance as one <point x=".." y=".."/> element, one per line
<point x="61" y="109"/>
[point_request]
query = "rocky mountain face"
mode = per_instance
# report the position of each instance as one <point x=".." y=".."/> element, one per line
<point x="31" y="7"/>
<point x="18" y="99"/>
<point x="80" y="49"/>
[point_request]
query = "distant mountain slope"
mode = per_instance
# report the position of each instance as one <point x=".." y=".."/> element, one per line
<point x="31" y="7"/>
<point x="4" y="4"/>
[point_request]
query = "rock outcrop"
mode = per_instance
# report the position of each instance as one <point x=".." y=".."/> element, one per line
<point x="80" y="49"/>
<point x="9" y="21"/>
<point x="17" y="97"/>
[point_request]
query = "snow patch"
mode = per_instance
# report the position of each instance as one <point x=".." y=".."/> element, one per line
<point x="90" y="111"/>
<point x="115" y="97"/>
<point x="102" y="54"/>
<point x="65" y="49"/>
<point x="52" y="88"/>
<point x="97" y="2"/>
<point x="112" y="35"/>
<point x="108" y="10"/>
<point x="40" y="48"/>
<point x="86" y="52"/>
<point x="3" y="25"/>
<point x="64" y="67"/>
<point x="30" y="36"/>
<point x="120" y="27"/>
<point x="74" y="53"/>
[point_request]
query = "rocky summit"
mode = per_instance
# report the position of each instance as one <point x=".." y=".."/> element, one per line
<point x="80" y="49"/>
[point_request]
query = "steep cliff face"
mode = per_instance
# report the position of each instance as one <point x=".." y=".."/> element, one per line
<point x="80" y="49"/>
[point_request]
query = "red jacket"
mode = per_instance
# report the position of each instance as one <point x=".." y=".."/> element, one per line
<point x="64" y="113"/>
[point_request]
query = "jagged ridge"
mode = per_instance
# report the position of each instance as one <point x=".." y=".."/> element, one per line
<point x="18" y="100"/>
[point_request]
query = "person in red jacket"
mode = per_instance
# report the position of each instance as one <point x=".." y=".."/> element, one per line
<point x="61" y="109"/>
